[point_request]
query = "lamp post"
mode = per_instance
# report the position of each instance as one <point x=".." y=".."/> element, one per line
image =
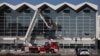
<point x="15" y="44"/>
<point x="76" y="47"/>
<point x="96" y="45"/>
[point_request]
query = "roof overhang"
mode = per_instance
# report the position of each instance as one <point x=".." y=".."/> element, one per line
<point x="4" y="4"/>
<point x="77" y="7"/>
<point x="67" y="4"/>
<point x="19" y="6"/>
<point x="55" y="7"/>
<point x="95" y="7"/>
<point x="45" y="4"/>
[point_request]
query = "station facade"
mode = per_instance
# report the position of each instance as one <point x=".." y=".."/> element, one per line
<point x="67" y="23"/>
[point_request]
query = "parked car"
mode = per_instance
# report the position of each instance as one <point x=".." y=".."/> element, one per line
<point x="83" y="52"/>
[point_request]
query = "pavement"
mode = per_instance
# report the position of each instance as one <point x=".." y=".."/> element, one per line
<point x="62" y="52"/>
<point x="67" y="52"/>
<point x="39" y="54"/>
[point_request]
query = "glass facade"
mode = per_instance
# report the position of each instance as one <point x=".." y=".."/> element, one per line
<point x="15" y="23"/>
<point x="64" y="22"/>
<point x="71" y="24"/>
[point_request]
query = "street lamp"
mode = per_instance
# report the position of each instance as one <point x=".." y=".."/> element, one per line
<point x="15" y="44"/>
<point x="76" y="47"/>
<point x="96" y="45"/>
<point x="95" y="42"/>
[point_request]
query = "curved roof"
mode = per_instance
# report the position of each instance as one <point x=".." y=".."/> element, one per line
<point x="87" y="3"/>
<point x="45" y="3"/>
<point x="7" y="4"/>
<point x="65" y="3"/>
<point x="24" y="3"/>
<point x="55" y="7"/>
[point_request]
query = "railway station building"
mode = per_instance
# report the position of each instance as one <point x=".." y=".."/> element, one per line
<point x="68" y="24"/>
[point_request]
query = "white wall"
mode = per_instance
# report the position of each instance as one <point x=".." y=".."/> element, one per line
<point x="99" y="27"/>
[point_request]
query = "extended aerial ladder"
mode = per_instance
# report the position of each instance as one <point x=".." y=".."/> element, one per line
<point x="32" y="25"/>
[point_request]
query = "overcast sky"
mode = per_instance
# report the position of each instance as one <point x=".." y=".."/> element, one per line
<point x="35" y="2"/>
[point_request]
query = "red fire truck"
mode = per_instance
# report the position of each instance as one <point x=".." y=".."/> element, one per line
<point x="48" y="47"/>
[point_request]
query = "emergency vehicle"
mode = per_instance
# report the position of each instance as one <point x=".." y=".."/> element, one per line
<point x="50" y="46"/>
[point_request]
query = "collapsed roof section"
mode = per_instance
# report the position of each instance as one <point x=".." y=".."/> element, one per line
<point x="54" y="7"/>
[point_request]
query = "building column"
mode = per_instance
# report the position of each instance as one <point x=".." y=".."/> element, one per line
<point x="97" y="26"/>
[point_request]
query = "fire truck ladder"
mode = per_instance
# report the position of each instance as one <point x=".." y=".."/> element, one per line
<point x="32" y="25"/>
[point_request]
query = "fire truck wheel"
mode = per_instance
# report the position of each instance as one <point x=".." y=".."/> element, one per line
<point x="47" y="51"/>
<point x="37" y="51"/>
<point x="52" y="51"/>
<point x="22" y="49"/>
<point x="34" y="51"/>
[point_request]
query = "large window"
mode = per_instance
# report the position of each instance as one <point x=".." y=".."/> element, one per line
<point x="5" y="24"/>
<point x="23" y="24"/>
<point x="47" y="11"/>
<point x="85" y="26"/>
<point x="27" y="11"/>
<point x="66" y="11"/>
<point x="81" y="26"/>
<point x="65" y="24"/>
<point x="87" y="11"/>
<point x="14" y="26"/>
